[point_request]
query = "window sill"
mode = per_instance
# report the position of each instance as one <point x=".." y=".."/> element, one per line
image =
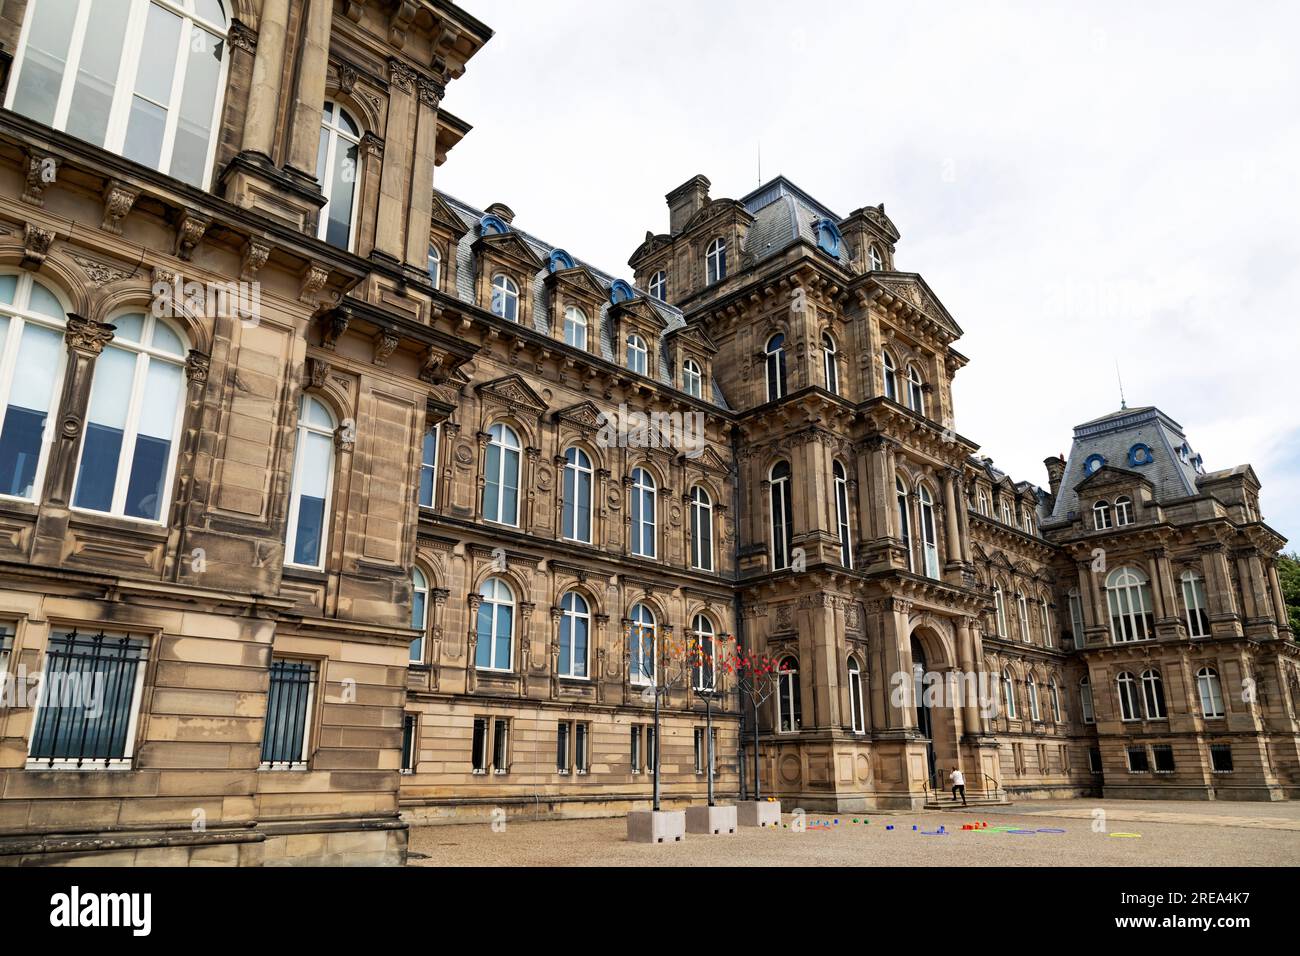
<point x="63" y="766"/>
<point x="297" y="766"/>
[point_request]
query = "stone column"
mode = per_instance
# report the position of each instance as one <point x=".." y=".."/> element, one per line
<point x="420" y="211"/>
<point x="268" y="66"/>
<point x="85" y="339"/>
<point x="309" y="99"/>
<point x="1279" y="603"/>
<point x="970" y="709"/>
<point x="1249" y="607"/>
<point x="395" y="184"/>
<point x="950" y="524"/>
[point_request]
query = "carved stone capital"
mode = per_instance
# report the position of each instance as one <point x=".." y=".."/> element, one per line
<point x="196" y="367"/>
<point x="318" y="371"/>
<point x="36" y="246"/>
<point x="87" y="335"/>
<point x="242" y="36"/>
<point x="400" y="75"/>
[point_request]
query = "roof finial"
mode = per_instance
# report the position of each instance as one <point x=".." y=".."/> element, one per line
<point x="1123" y="405"/>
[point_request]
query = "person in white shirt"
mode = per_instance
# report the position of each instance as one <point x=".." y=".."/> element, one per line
<point x="958" y="781"/>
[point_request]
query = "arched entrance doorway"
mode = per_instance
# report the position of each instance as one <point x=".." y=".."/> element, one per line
<point x="923" y="704"/>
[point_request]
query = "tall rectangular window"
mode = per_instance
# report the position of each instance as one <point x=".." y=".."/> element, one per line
<point x="699" y="750"/>
<point x="479" y="746"/>
<point x="89" y="704"/>
<point x="288" y="715"/>
<point x="1138" y="761"/>
<point x="635" y="751"/>
<point x="581" y="758"/>
<point x="1221" y="758"/>
<point x="562" y="747"/>
<point x="1094" y="760"/>
<point x="6" y="647"/>
<point x="1164" y="758"/>
<point x="429" y="467"/>
<point x="410" y="741"/>
<point x="500" y="745"/>
<point x="650" y="744"/>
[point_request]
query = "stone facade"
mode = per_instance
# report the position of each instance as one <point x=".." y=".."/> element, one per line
<point x="357" y="550"/>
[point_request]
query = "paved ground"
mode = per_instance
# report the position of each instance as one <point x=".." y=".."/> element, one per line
<point x="1171" y="834"/>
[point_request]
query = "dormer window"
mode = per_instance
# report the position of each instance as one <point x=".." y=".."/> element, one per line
<point x="575" y="327"/>
<point x="1093" y="464"/>
<point x="877" y="260"/>
<point x="1123" y="511"/>
<point x="637" y="354"/>
<point x="1140" y="454"/>
<point x="1101" y="515"/>
<point x="505" y="298"/>
<point x="692" y="379"/>
<point x="659" y="285"/>
<point x="559" y="260"/>
<point x="828" y="237"/>
<point x="1007" y="517"/>
<point x="435" y="267"/>
<point x="715" y="260"/>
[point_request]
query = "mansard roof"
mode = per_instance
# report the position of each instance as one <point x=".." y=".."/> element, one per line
<point x="783" y="215"/>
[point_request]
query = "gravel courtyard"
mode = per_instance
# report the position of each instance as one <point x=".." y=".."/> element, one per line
<point x="1170" y="834"/>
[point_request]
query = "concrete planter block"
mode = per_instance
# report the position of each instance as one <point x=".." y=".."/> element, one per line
<point x="711" y="820"/>
<point x="656" y="826"/>
<point x="759" y="813"/>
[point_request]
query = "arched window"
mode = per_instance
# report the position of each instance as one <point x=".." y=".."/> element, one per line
<point x="575" y="628"/>
<point x="641" y="645"/>
<point x="636" y="354"/>
<point x="501" y="474"/>
<point x="715" y="259"/>
<point x="659" y="285"/>
<point x="774" y="368"/>
<point x="1198" y="618"/>
<point x="505" y="298"/>
<point x="576" y="519"/>
<point x="575" y="327"/>
<point x="929" y="539"/>
<point x="1022" y="616"/>
<point x="877" y="260"/>
<point x="1101" y="515"/>
<point x="1153" y="695"/>
<point x="1128" y="697"/>
<point x="701" y="529"/>
<point x="915" y="390"/>
<point x="890" y="374"/>
<point x="134" y="421"/>
<point x="1000" y="608"/>
<point x="832" y="370"/>
<point x="644" y="514"/>
<point x="1076" y="617"/>
<point x="1211" y="692"/>
<point x="1054" y="695"/>
<point x="856" y="712"/>
<point x="904" y="520"/>
<point x="983" y="504"/>
<point x="703" y="653"/>
<point x="789" y="708"/>
<point x="32" y="359"/>
<point x="1009" y="693"/>
<point x="1031" y="688"/>
<point x="313" y="484"/>
<point x="138" y="78"/>
<point x="1007" y="517"/>
<point x="780" y="514"/>
<point x="842" y="514"/>
<point x="1129" y="597"/>
<point x="1123" y="511"/>
<point x="419" y="613"/>
<point x="494" y="650"/>
<point x="435" y="267"/>
<point x="429" y="466"/>
<point x="1085" y="701"/>
<point x="339" y="172"/>
<point x="692" y="379"/>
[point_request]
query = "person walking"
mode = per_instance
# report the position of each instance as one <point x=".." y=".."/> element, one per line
<point x="958" y="781"/>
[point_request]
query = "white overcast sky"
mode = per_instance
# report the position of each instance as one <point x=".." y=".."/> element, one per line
<point x="1080" y="183"/>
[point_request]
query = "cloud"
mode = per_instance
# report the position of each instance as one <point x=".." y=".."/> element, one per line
<point x="1081" y="184"/>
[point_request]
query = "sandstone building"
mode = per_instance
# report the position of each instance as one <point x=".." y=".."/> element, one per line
<point x="311" y="525"/>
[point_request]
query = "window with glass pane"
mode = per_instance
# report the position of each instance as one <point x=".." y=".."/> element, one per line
<point x="1085" y="701"/>
<point x="781" y="515"/>
<point x="905" y="522"/>
<point x="435" y="267"/>
<point x="575" y="327"/>
<point x="1198" y="618"/>
<point x="495" y="632"/>
<point x="1128" y="697"/>
<point x="716" y="261"/>
<point x="500" y="745"/>
<point x="703" y="653"/>
<point x="429" y="467"/>
<point x="774" y="370"/>
<point x="636" y="354"/>
<point x="890" y="375"/>
<point x="789" y="706"/>
<point x="576" y="517"/>
<point x="32" y="359"/>
<point x="313" y="479"/>
<point x="692" y="379"/>
<point x="641" y="646"/>
<point x="575" y="630"/>
<point x="1128" y="594"/>
<point x="133" y="422"/>
<point x="855" y="697"/>
<point x="929" y="539"/>
<point x="288" y="715"/>
<point x="478" y="746"/>
<point x="701" y="530"/>
<point x="419" y="612"/>
<point x="634" y="752"/>
<point x="581" y="732"/>
<point x="644" y="516"/>
<point x="90" y="693"/>
<point x="842" y="514"/>
<point x="505" y="298"/>
<point x="659" y="286"/>
<point x="142" y="78"/>
<point x="562" y="747"/>
<point x="501" y="472"/>
<point x="410" y="741"/>
<point x="339" y="174"/>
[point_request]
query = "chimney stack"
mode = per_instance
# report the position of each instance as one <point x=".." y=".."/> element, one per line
<point x="1055" y="473"/>
<point x="685" y="201"/>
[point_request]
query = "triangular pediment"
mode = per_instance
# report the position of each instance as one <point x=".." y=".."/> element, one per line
<point x="580" y="280"/>
<point x="584" y="415"/>
<point x="514" y="392"/>
<point x="913" y="289"/>
<point x="652" y="243"/>
<point x="710" y="460"/>
<point x="1108" y="476"/>
<point x="640" y="310"/>
<point x="444" y="217"/>
<point x="510" y="248"/>
<point x="719" y="209"/>
<point x="694" y="335"/>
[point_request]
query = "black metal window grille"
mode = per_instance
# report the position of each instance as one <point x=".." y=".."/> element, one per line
<point x="580" y="734"/>
<point x="636" y="749"/>
<point x="562" y="748"/>
<point x="409" y="724"/>
<point x="1164" y="755"/>
<point x="500" y="745"/>
<point x="89" y="695"/>
<point x="288" y="710"/>
<point x="480" y="745"/>
<point x="1221" y="758"/>
<point x="6" y="645"/>
<point x="1138" y="762"/>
